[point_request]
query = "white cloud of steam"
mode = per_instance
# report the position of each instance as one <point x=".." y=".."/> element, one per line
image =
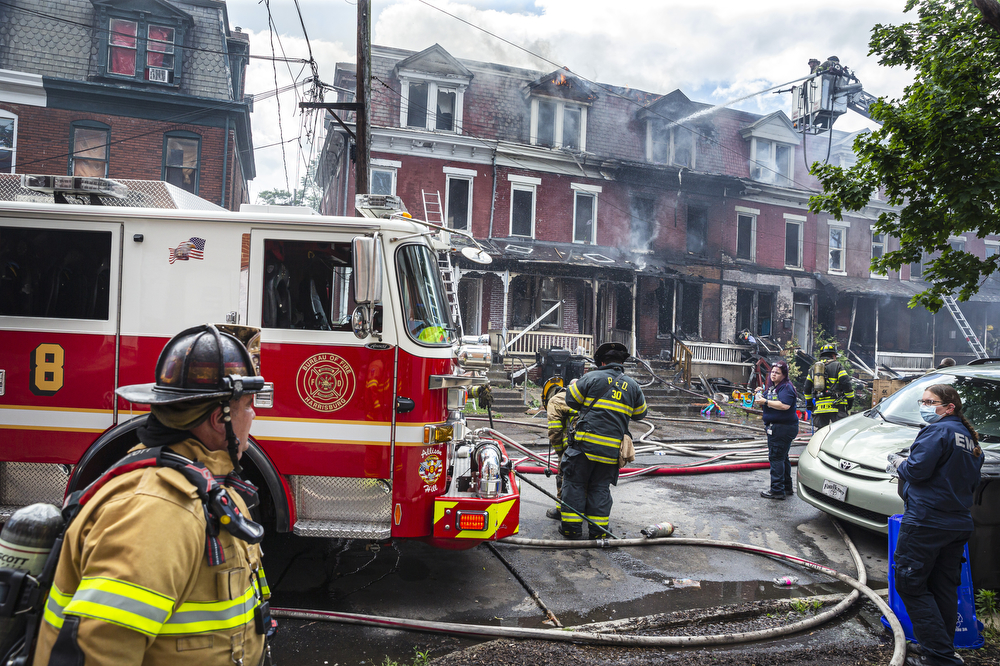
<point x="713" y="52"/>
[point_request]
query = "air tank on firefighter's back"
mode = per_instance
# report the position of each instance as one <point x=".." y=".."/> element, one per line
<point x="25" y="543"/>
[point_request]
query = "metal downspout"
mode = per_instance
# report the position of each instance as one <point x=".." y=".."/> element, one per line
<point x="876" y="338"/>
<point x="493" y="206"/>
<point x="225" y="162"/>
<point x="635" y="291"/>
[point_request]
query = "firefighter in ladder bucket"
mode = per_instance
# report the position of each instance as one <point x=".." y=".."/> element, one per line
<point x="606" y="400"/>
<point x="160" y="565"/>
<point x="828" y="391"/>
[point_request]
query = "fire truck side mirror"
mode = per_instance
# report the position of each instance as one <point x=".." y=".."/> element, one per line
<point x="367" y="264"/>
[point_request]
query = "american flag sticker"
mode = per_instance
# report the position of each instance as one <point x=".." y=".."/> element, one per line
<point x="192" y="248"/>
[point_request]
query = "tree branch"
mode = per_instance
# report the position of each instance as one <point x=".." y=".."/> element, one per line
<point x="990" y="10"/>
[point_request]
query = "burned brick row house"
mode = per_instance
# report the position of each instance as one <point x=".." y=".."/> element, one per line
<point x="134" y="89"/>
<point x="649" y="217"/>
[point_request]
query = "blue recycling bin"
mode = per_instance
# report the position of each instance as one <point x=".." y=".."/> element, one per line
<point x="968" y="630"/>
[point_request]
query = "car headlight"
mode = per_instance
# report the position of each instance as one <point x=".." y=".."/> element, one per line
<point x="817" y="441"/>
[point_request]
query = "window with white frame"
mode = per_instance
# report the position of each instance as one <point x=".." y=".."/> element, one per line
<point x="838" y="242"/>
<point x="8" y="142"/>
<point x="432" y="105"/>
<point x="957" y="243"/>
<point x="382" y="176"/>
<point x="556" y="123"/>
<point x="522" y="205"/>
<point x="992" y="249"/>
<point x="585" y="213"/>
<point x="878" y="249"/>
<point x="458" y="198"/>
<point x="746" y="233"/>
<point x="772" y="162"/>
<point x="793" y="240"/>
<point x="670" y="144"/>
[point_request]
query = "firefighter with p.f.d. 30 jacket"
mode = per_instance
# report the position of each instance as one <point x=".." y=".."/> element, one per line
<point x="606" y="399"/>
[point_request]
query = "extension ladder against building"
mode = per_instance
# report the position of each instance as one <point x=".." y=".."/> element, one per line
<point x="964" y="327"/>
<point x="449" y="274"/>
<point x="433" y="212"/>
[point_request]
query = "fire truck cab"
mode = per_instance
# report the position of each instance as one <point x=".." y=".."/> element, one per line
<point x="361" y="434"/>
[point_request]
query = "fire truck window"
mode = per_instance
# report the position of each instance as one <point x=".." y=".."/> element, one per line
<point x="307" y="285"/>
<point x="55" y="273"/>
<point x="425" y="306"/>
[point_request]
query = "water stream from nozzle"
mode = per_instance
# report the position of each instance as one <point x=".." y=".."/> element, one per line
<point x="705" y="112"/>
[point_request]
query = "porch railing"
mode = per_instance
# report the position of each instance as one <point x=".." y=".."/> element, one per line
<point x="717" y="353"/>
<point x="683" y="356"/>
<point x="906" y="362"/>
<point x="533" y="341"/>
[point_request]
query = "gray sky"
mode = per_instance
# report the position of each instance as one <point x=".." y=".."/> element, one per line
<point x="714" y="52"/>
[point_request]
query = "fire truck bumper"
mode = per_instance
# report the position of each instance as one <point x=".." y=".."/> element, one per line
<point x="466" y="522"/>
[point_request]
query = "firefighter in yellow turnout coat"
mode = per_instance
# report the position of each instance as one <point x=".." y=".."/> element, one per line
<point x="828" y="391"/>
<point x="559" y="413"/>
<point x="137" y="582"/>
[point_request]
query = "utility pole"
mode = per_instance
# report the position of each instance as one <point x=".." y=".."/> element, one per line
<point x="364" y="75"/>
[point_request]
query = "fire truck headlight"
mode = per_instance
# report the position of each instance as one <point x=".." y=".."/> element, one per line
<point x="457" y="399"/>
<point x="474" y="357"/>
<point x="435" y="434"/>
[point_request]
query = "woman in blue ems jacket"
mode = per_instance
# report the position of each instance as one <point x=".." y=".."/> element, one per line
<point x="937" y="481"/>
<point x="782" y="425"/>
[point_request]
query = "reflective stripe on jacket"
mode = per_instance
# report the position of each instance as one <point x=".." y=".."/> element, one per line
<point x="559" y="416"/>
<point x="134" y="586"/>
<point x="838" y="389"/>
<point x="599" y="434"/>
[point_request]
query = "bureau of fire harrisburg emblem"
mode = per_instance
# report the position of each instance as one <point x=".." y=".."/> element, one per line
<point x="325" y="382"/>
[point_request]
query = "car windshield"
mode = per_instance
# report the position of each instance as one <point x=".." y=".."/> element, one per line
<point x="980" y="402"/>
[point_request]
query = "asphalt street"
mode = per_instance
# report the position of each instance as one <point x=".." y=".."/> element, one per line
<point x="412" y="580"/>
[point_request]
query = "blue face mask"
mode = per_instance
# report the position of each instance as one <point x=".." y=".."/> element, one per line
<point x="929" y="414"/>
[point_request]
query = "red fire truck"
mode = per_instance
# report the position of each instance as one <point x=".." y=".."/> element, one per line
<point x="362" y="434"/>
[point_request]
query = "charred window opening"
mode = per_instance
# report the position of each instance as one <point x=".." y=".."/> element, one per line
<point x="671" y="144"/>
<point x="556" y="124"/>
<point x="697" y="230"/>
<point x="689" y="304"/>
<point x="754" y="311"/>
<point x="665" y="310"/>
<point x="623" y="307"/>
<point x="55" y="273"/>
<point x="307" y="285"/>
<point x="642" y="211"/>
<point x="532" y="295"/>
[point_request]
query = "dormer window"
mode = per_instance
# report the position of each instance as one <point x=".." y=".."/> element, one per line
<point x="138" y="45"/>
<point x="432" y="106"/>
<point x="772" y="142"/>
<point x="772" y="162"/>
<point x="556" y="123"/>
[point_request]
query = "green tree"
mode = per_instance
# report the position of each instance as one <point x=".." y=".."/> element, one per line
<point x="936" y="154"/>
<point x="309" y="194"/>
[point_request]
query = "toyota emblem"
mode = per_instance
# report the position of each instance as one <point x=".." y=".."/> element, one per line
<point x="847" y="465"/>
